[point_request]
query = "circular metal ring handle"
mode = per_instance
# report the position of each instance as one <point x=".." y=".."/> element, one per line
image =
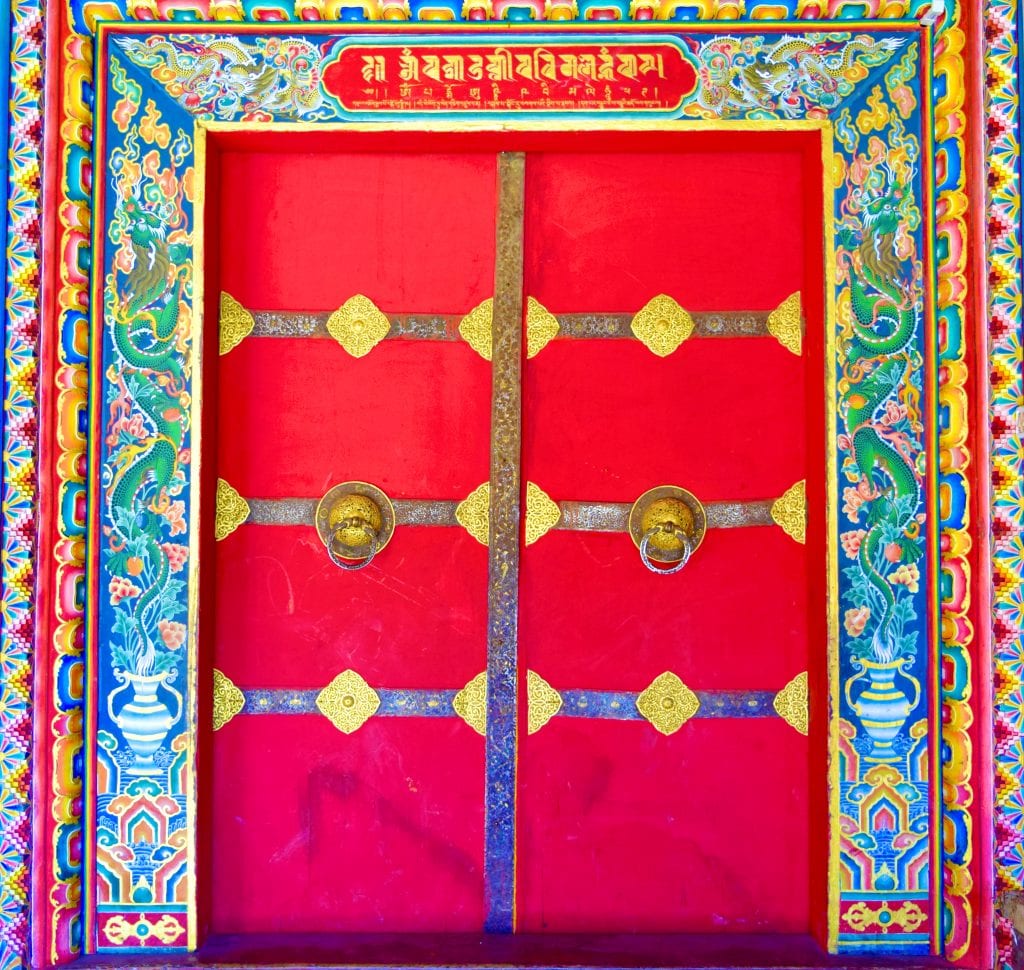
<point x="349" y="565"/>
<point x="646" y="541"/>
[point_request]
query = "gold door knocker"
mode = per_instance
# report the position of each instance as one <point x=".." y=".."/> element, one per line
<point x="355" y="521"/>
<point x="667" y="524"/>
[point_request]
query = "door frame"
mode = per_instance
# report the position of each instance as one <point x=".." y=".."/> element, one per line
<point x="502" y="857"/>
<point x="95" y="642"/>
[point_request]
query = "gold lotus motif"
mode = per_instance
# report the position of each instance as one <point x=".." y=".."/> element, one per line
<point x="542" y="513"/>
<point x="789" y="512"/>
<point x="348" y="701"/>
<point x="231" y="510"/>
<point x="785" y="324"/>
<point x="473" y="513"/>
<point x="668" y="703"/>
<point x="470" y="703"/>
<point x="543" y="702"/>
<point x="228" y="700"/>
<point x="662" y="325"/>
<point x="791" y="703"/>
<point x="358" y="325"/>
<point x="236" y="323"/>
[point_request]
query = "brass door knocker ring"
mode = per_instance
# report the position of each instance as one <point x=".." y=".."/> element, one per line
<point x="667" y="524"/>
<point x="665" y="528"/>
<point x="337" y="548"/>
<point x="355" y="521"/>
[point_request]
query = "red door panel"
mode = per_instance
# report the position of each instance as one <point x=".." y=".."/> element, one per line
<point x="302" y="414"/>
<point x="621" y="828"/>
<point x="324" y="833"/>
<point x="624" y="830"/>
<point x="313" y="830"/>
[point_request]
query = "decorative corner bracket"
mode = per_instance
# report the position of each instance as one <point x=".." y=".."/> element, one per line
<point x="348" y="702"/>
<point x="473" y="512"/>
<point x="236" y="323"/>
<point x="475" y="328"/>
<point x="232" y="510"/>
<point x="791" y="703"/>
<point x="358" y="325"/>
<point x="785" y="324"/>
<point x="470" y="703"/>
<point x="789" y="512"/>
<point x="662" y="325"/>
<point x="542" y="513"/>
<point x="228" y="700"/>
<point x="668" y="703"/>
<point x="543" y="702"/>
<point x="541" y="327"/>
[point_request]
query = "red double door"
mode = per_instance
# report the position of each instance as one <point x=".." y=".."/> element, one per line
<point x="618" y="827"/>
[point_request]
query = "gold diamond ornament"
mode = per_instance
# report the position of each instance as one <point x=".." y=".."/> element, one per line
<point x="789" y="512"/>
<point x="668" y="703"/>
<point x="228" y="700"/>
<point x="348" y="702"/>
<point x="358" y="325"/>
<point x="231" y="510"/>
<point x="662" y="325"/>
<point x="791" y="703"/>
<point x="470" y="703"/>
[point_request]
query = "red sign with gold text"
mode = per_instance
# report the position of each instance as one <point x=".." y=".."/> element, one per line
<point x="640" y="77"/>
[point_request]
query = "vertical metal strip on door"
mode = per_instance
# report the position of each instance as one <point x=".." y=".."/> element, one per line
<point x="503" y="549"/>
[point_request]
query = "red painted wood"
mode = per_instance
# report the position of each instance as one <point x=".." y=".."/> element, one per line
<point x="623" y="829"/>
<point x="310" y="829"/>
<point x="322" y="832"/>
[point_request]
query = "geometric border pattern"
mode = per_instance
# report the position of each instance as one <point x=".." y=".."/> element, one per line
<point x="22" y="238"/>
<point x="885" y="822"/>
<point x="1002" y="128"/>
